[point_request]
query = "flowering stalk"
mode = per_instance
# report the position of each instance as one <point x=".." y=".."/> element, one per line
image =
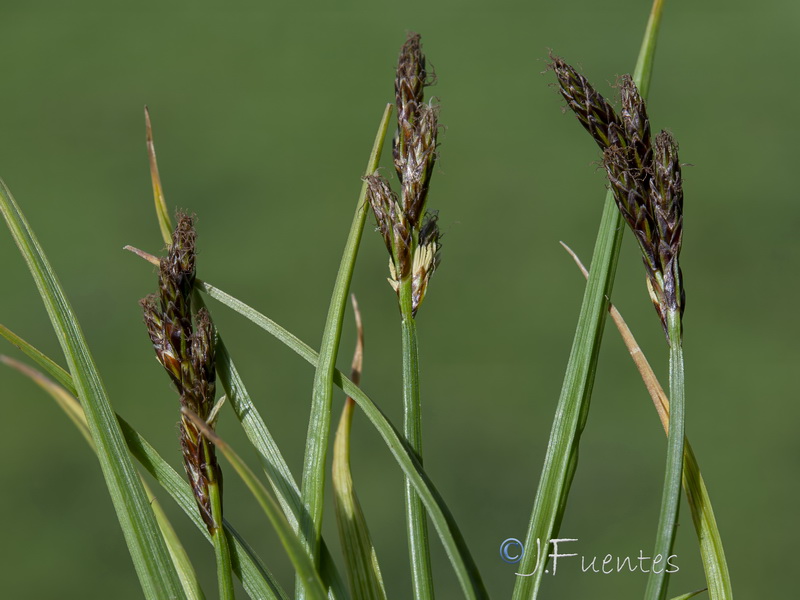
<point x="186" y="351"/>
<point x="666" y="197"/>
<point x="645" y="179"/>
<point x="412" y="239"/>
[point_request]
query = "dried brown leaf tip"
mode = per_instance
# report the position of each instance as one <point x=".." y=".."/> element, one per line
<point x="400" y="217"/>
<point x="644" y="176"/>
<point x="185" y="347"/>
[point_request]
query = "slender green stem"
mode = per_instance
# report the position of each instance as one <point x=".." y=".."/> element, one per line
<point x="314" y="464"/>
<point x="642" y="73"/>
<point x="308" y="576"/>
<point x="277" y="471"/>
<point x="711" y="550"/>
<point x="454" y="544"/>
<point x="183" y="563"/>
<point x="573" y="405"/>
<point x="221" y="549"/>
<point x="670" y="500"/>
<point x="416" y="517"/>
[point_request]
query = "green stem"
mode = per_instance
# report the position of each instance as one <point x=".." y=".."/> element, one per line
<point x="416" y="518"/>
<point x="454" y="544"/>
<point x="670" y="500"/>
<point x="314" y="463"/>
<point x="573" y="405"/>
<point x="221" y="549"/>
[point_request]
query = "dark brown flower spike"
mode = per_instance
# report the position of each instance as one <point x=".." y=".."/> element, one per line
<point x="186" y="351"/>
<point x="593" y="111"/>
<point x="644" y="176"/>
<point x="419" y="163"/>
<point x="392" y="223"/>
<point x="666" y="197"/>
<point x="414" y="151"/>
<point x="636" y="126"/>
<point x="408" y="88"/>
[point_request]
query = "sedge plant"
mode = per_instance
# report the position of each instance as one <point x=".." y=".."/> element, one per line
<point x="412" y="239"/>
<point x="645" y="179"/>
<point x="646" y="192"/>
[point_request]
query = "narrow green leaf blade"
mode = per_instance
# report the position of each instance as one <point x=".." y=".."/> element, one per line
<point x="304" y="567"/>
<point x="573" y="404"/>
<point x="689" y="595"/>
<point x="70" y="405"/>
<point x="363" y="571"/>
<point x="257" y="580"/>
<point x="180" y="558"/>
<point x="275" y="467"/>
<point x="151" y="560"/>
<point x="50" y="367"/>
<point x="446" y="526"/>
<point x="711" y="550"/>
<point x="317" y="441"/>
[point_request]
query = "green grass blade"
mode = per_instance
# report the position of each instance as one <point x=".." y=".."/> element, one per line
<point x="689" y="595"/>
<point x="363" y="571"/>
<point x="151" y="560"/>
<point x="50" y="367"/>
<point x="657" y="582"/>
<point x="314" y="465"/>
<point x="711" y="550"/>
<point x="275" y="467"/>
<point x="65" y="398"/>
<point x="416" y="519"/>
<point x="257" y="580"/>
<point x="162" y="214"/>
<point x="222" y="551"/>
<point x="361" y="560"/>
<point x="716" y="567"/>
<point x="573" y="404"/>
<point x="70" y="405"/>
<point x="183" y="563"/>
<point x="311" y="581"/>
<point x="455" y="546"/>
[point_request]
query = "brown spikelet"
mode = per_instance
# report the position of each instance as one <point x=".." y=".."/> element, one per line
<point x="419" y="163"/>
<point x="381" y="198"/>
<point x="636" y="127"/>
<point x="644" y="176"/>
<point x="392" y="222"/>
<point x="408" y="88"/>
<point x="593" y="111"/>
<point x="186" y="351"/>
<point x="632" y="200"/>
<point x="666" y="197"/>
<point x="414" y="151"/>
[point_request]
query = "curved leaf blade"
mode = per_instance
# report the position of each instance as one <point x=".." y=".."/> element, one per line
<point x="156" y="572"/>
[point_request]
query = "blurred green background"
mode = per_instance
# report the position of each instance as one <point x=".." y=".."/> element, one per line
<point x="264" y="114"/>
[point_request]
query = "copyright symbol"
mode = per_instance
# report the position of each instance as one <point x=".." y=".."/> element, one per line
<point x="511" y="551"/>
